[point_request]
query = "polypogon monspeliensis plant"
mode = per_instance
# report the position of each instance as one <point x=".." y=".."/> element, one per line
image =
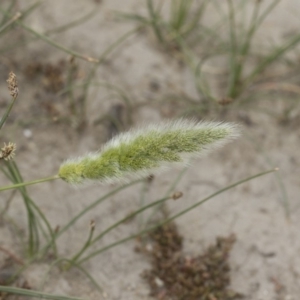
<point x="147" y="150"/>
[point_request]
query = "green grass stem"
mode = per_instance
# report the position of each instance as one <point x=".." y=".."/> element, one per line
<point x="74" y="23"/>
<point x="113" y="226"/>
<point x="91" y="206"/>
<point x="33" y="239"/>
<point x="34" y="294"/>
<point x="9" y="10"/>
<point x="85" y="246"/>
<point x="155" y="21"/>
<point x="93" y="70"/>
<point x="170" y="190"/>
<point x="73" y="264"/>
<point x="33" y="211"/>
<point x="22" y="184"/>
<point x="280" y="181"/>
<point x="276" y="54"/>
<point x="9" y="22"/>
<point x="240" y="51"/>
<point x="7" y="111"/>
<point x="53" y="43"/>
<point x="50" y="32"/>
<point x="120" y="92"/>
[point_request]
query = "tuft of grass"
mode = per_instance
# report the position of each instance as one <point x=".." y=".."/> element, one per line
<point x="77" y="106"/>
<point x="37" y="221"/>
<point x="239" y="50"/>
<point x="231" y="37"/>
<point x="49" y="40"/>
<point x="183" y="21"/>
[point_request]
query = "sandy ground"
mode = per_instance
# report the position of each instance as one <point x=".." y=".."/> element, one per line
<point x="265" y="259"/>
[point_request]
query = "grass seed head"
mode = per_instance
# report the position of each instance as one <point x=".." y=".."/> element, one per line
<point x="8" y="151"/>
<point x="13" y="85"/>
<point x="141" y="152"/>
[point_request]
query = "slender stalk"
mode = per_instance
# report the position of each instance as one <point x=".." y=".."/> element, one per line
<point x="266" y="12"/>
<point x="14" y="175"/>
<point x="272" y="57"/>
<point x="236" y="84"/>
<point x="33" y="240"/>
<point x="31" y="8"/>
<point x="52" y="242"/>
<point x="107" y="85"/>
<point x="74" y="23"/>
<point x="14" y="186"/>
<point x="92" y="73"/>
<point x="179" y="14"/>
<point x="234" y="47"/>
<point x="54" y="44"/>
<point x="58" y="46"/>
<point x="60" y="260"/>
<point x="110" y="228"/>
<point x="7" y="112"/>
<point x="144" y="190"/>
<point x="58" y="29"/>
<point x="169" y="191"/>
<point x="86" y="244"/>
<point x="284" y="195"/>
<point x="70" y="76"/>
<point x="35" y="294"/>
<point x="154" y="23"/>
<point x="91" y="241"/>
<point x="10" y="8"/>
<point x="91" y="206"/>
<point x="12" y="20"/>
<point x="195" y="21"/>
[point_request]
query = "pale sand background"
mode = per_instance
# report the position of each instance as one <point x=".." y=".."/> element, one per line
<point x="268" y="244"/>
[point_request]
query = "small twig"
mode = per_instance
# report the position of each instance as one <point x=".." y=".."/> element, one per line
<point x="12" y="20"/>
<point x="12" y="255"/>
<point x="56" y="45"/>
<point x="51" y="42"/>
<point x="17" y="185"/>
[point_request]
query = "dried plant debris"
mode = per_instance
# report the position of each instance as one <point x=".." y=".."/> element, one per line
<point x="176" y="276"/>
<point x="13" y="85"/>
<point x="7" y="152"/>
<point x="51" y="75"/>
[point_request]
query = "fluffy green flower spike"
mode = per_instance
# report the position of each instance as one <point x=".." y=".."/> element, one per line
<point x="141" y="152"/>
